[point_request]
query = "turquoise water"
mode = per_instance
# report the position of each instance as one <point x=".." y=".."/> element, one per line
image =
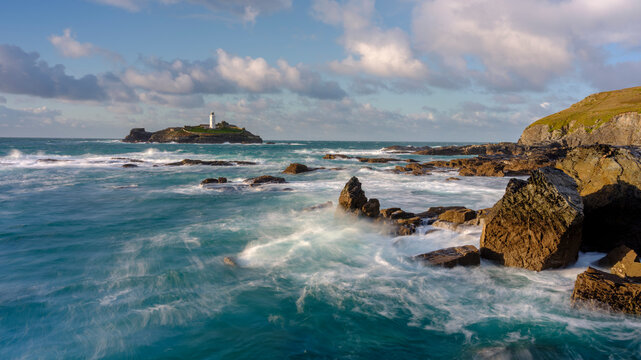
<point x="100" y="261"/>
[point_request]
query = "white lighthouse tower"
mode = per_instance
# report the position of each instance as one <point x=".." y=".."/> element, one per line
<point x="212" y="120"/>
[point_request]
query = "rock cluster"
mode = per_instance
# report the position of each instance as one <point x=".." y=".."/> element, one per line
<point x="220" y="180"/>
<point x="537" y="224"/>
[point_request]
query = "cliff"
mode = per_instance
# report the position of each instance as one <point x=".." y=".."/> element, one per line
<point x="194" y="135"/>
<point x="612" y="117"/>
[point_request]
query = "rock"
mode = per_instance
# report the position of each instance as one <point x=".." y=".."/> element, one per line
<point x="377" y="160"/>
<point x="467" y="255"/>
<point x="537" y="224"/>
<point x="435" y="211"/>
<point x="296" y="168"/>
<point x="129" y="165"/>
<point x="414" y="169"/>
<point x="265" y="179"/>
<point x="458" y="216"/>
<point x="137" y="135"/>
<point x="352" y="198"/>
<point x="52" y="160"/>
<point x="371" y="208"/>
<point x="195" y="134"/>
<point x="336" y="156"/>
<point x="387" y="213"/>
<point x="623" y="262"/>
<point x="608" y="291"/>
<point x="609" y="180"/>
<point x="229" y="261"/>
<point x="615" y="255"/>
<point x="324" y="205"/>
<point x="611" y="118"/>
<point x="220" y="180"/>
<point x="125" y="158"/>
<point x="452" y="178"/>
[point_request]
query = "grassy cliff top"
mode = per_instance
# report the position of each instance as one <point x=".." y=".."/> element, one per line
<point x="226" y="130"/>
<point x="595" y="110"/>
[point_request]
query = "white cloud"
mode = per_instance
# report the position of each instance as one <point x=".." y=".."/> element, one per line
<point x="371" y="49"/>
<point x="545" y="105"/>
<point x="68" y="46"/>
<point x="246" y="10"/>
<point x="251" y="74"/>
<point x="526" y="44"/>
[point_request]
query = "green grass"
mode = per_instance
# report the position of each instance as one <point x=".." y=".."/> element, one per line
<point x="198" y="129"/>
<point x="594" y="110"/>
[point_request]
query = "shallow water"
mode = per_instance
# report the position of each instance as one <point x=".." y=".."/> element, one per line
<point x="100" y="261"/>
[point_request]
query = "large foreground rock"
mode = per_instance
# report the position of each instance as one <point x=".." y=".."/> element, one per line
<point x="352" y="197"/>
<point x="466" y="255"/>
<point x="607" y="290"/>
<point x="537" y="224"/>
<point x="609" y="180"/>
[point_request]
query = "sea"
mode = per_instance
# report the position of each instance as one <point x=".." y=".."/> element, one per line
<point x="98" y="261"/>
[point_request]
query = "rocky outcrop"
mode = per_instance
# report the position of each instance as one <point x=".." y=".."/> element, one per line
<point x="608" y="291"/>
<point x="220" y="180"/>
<point x="137" y="135"/>
<point x="467" y="255"/>
<point x="265" y="179"/>
<point x="352" y="200"/>
<point x="194" y="134"/>
<point x="623" y="129"/>
<point x="537" y="224"/>
<point x="609" y="180"/>
<point x="352" y="197"/>
<point x="296" y="168"/>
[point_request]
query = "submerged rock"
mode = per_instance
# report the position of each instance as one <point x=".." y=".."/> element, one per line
<point x="467" y="255"/>
<point x="537" y="224"/>
<point x="609" y="180"/>
<point x="324" y="205"/>
<point x="608" y="291"/>
<point x="129" y="165"/>
<point x="191" y="162"/>
<point x="229" y="261"/>
<point x="265" y="179"/>
<point x="220" y="180"/>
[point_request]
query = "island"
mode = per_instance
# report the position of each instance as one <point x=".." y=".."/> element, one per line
<point x="212" y="133"/>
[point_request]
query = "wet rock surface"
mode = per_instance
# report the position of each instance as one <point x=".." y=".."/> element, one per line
<point x="220" y="180"/>
<point x="537" y="224"/>
<point x="600" y="289"/>
<point x="467" y="255"/>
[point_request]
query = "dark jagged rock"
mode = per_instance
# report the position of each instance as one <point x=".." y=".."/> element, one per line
<point x="371" y="208"/>
<point x="265" y="179"/>
<point x="52" y="160"/>
<point x="467" y="255"/>
<point x="220" y="180"/>
<point x="195" y="134"/>
<point x="377" y="160"/>
<point x="324" y="205"/>
<point x="138" y="135"/>
<point x="129" y="165"/>
<point x="458" y="216"/>
<point x="537" y="224"/>
<point x="352" y="198"/>
<point x="414" y="169"/>
<point x="336" y="156"/>
<point x="608" y="291"/>
<point x="609" y="180"/>
<point x="190" y="162"/>
<point x="296" y="168"/>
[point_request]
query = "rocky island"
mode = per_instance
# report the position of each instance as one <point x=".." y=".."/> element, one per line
<point x="199" y="134"/>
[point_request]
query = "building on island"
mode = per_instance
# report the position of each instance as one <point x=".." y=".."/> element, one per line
<point x="212" y="120"/>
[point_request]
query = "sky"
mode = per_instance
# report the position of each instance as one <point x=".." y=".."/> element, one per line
<point x="406" y="70"/>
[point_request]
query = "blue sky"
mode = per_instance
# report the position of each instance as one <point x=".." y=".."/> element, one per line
<point x="414" y="70"/>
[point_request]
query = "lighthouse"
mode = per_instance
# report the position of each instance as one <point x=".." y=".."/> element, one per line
<point x="212" y="120"/>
